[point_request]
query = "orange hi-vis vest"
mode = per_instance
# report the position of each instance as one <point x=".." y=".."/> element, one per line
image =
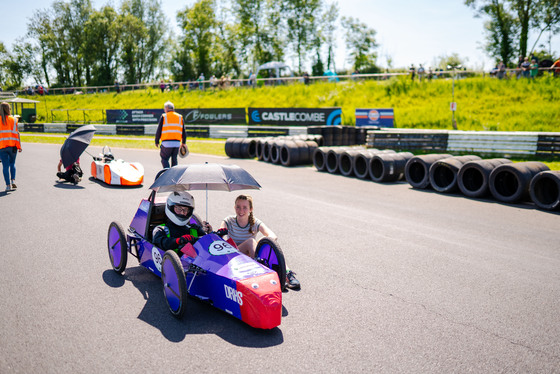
<point x="172" y="128"/>
<point x="9" y="136"/>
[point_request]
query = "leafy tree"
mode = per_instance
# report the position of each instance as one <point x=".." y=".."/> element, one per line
<point x="500" y="29"/>
<point x="301" y="26"/>
<point x="198" y="23"/>
<point x="360" y="41"/>
<point x="17" y="66"/>
<point x="328" y="32"/>
<point x="103" y="43"/>
<point x="144" y="30"/>
<point x="259" y="30"/>
<point x="547" y="19"/>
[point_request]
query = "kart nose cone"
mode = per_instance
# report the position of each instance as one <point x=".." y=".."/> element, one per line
<point x="262" y="305"/>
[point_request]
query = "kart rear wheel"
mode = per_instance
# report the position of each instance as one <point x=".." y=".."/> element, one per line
<point x="270" y="254"/>
<point x="174" y="283"/>
<point x="117" y="246"/>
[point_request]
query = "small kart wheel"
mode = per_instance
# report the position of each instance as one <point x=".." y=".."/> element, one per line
<point x="270" y="254"/>
<point x="174" y="283"/>
<point x="117" y="246"/>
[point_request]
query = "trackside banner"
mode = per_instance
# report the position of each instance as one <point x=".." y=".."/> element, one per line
<point x="375" y="117"/>
<point x="134" y="116"/>
<point x="295" y="116"/>
<point x="215" y="116"/>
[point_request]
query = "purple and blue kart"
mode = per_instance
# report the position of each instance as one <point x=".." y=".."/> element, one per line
<point x="211" y="270"/>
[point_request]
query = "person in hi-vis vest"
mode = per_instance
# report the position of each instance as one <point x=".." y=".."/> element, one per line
<point x="171" y="132"/>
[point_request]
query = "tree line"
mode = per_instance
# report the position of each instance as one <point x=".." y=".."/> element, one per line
<point x="509" y="23"/>
<point x="71" y="44"/>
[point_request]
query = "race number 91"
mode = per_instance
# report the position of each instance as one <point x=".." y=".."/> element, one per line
<point x="219" y="247"/>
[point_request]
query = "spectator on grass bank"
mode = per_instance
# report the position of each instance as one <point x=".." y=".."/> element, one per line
<point x="519" y="69"/>
<point x="412" y="71"/>
<point x="534" y="69"/>
<point x="556" y="68"/>
<point x="421" y="72"/>
<point x="306" y="78"/>
<point x="200" y="81"/>
<point x="501" y="70"/>
<point x="525" y="67"/>
<point x="171" y="132"/>
<point x="162" y="86"/>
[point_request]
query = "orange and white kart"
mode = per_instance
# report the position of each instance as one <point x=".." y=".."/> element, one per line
<point x="116" y="172"/>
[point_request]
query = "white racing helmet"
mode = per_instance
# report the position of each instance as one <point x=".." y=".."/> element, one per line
<point x="182" y="199"/>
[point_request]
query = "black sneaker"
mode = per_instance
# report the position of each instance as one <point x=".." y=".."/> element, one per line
<point x="291" y="281"/>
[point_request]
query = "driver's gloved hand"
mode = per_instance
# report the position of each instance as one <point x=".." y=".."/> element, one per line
<point x="222" y="232"/>
<point x="185" y="239"/>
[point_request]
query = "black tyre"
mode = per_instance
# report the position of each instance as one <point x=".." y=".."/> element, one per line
<point x="270" y="254"/>
<point x="174" y="283"/>
<point x="117" y="247"/>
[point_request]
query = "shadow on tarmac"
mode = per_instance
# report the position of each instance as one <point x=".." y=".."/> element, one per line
<point x="200" y="317"/>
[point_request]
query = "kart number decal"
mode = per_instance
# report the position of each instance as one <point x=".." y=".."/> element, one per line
<point x="156" y="256"/>
<point x="233" y="294"/>
<point x="219" y="247"/>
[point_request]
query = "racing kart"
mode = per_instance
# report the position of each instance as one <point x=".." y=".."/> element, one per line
<point x="116" y="172"/>
<point x="211" y="270"/>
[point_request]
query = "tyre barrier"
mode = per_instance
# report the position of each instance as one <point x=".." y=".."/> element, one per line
<point x="388" y="167"/>
<point x="443" y="173"/>
<point x="417" y="169"/>
<point x="297" y="152"/>
<point x="360" y="162"/>
<point x="241" y="147"/>
<point x="320" y="158"/>
<point x="275" y="149"/>
<point x="545" y="190"/>
<point x="510" y="183"/>
<point x="473" y="176"/>
<point x="347" y="158"/>
<point x="333" y="158"/>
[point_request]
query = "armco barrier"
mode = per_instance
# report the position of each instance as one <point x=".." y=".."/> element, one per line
<point x="488" y="143"/>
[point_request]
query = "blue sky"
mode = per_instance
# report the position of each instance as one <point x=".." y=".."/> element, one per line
<point x="408" y="32"/>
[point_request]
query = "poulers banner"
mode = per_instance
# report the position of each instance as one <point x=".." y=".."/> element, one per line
<point x="295" y="116"/>
<point x="215" y="116"/>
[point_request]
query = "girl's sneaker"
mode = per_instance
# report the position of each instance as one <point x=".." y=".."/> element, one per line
<point x="14" y="185"/>
<point x="8" y="188"/>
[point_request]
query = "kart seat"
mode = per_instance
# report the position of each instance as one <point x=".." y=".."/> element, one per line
<point x="156" y="218"/>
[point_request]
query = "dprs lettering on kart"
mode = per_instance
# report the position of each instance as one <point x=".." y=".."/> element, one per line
<point x="219" y="247"/>
<point x="233" y="294"/>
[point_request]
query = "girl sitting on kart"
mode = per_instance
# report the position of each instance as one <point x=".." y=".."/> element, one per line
<point x="243" y="228"/>
<point x="177" y="231"/>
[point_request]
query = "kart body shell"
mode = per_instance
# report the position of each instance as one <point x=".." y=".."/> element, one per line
<point x="117" y="172"/>
<point x="215" y="271"/>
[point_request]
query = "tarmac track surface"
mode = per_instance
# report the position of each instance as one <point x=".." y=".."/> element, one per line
<point x="393" y="280"/>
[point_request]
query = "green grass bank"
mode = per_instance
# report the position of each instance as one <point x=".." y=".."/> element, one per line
<point x="482" y="103"/>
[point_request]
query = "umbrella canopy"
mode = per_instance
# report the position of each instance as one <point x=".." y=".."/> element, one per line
<point x="75" y="144"/>
<point x="205" y="177"/>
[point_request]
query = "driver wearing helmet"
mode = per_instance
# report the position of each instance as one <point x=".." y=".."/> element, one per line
<point x="178" y="231"/>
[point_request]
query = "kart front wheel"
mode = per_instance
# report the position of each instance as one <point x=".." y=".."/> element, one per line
<point x="270" y="254"/>
<point x="174" y="283"/>
<point x="116" y="244"/>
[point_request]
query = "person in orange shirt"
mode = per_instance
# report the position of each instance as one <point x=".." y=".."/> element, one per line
<point x="556" y="68"/>
<point x="171" y="132"/>
<point x="10" y="144"/>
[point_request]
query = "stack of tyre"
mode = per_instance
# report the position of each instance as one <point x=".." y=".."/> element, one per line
<point x="340" y="135"/>
<point x="476" y="178"/>
<point x="284" y="150"/>
<point x="506" y="181"/>
<point x="364" y="163"/>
